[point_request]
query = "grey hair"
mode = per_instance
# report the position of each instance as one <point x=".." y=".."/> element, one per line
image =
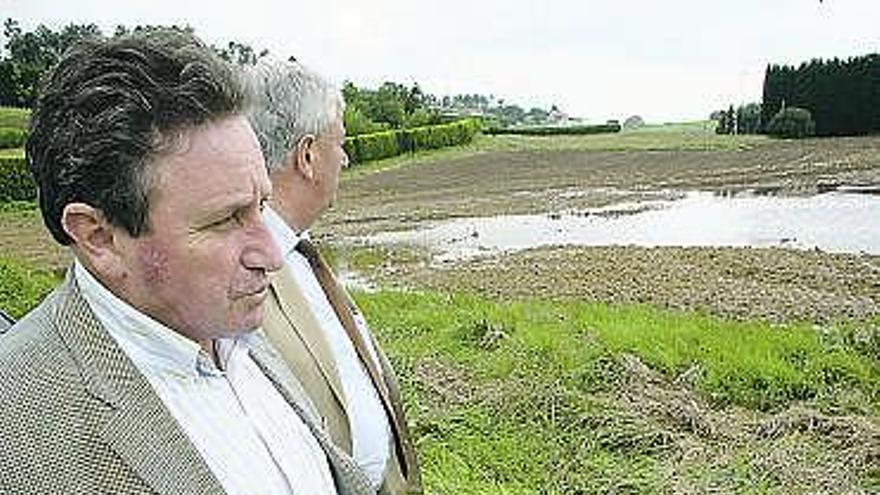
<point x="290" y="101"/>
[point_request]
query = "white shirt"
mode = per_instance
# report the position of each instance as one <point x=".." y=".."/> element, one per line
<point x="249" y="436"/>
<point x="370" y="431"/>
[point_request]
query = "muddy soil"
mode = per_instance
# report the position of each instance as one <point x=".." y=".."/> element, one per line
<point x="774" y="284"/>
<point x="543" y="181"/>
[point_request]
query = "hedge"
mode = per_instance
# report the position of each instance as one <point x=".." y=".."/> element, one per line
<point x="14" y="117"/>
<point x="556" y="130"/>
<point x="22" y="286"/>
<point x="385" y="144"/>
<point x="16" y="181"/>
<point x="17" y="184"/>
<point x="11" y="137"/>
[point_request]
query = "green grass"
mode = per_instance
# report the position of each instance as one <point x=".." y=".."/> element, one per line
<point x="22" y="286"/>
<point x="523" y="396"/>
<point x="750" y="364"/>
<point x="664" y="137"/>
<point x="14" y="117"/>
<point x="12" y="153"/>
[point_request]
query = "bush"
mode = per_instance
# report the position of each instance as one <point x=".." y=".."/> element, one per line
<point x="14" y="117"/>
<point x="385" y="144"/>
<point x="16" y="181"/>
<point x="11" y="137"/>
<point x="356" y="122"/>
<point x="792" y="122"/>
<point x="22" y="287"/>
<point x="556" y="131"/>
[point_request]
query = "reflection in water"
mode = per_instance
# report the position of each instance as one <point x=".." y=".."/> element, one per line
<point x="833" y="221"/>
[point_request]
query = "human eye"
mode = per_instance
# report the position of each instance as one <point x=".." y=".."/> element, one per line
<point x="234" y="218"/>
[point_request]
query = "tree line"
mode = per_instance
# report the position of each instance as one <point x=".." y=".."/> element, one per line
<point x="26" y="55"/>
<point x="823" y="98"/>
<point x="843" y="96"/>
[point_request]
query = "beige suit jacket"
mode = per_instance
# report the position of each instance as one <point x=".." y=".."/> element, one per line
<point x="292" y="328"/>
<point x="77" y="417"/>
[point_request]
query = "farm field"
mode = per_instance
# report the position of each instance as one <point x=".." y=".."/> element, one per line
<point x="598" y="369"/>
<point x="610" y="369"/>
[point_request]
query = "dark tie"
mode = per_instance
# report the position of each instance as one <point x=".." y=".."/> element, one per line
<point x="341" y="306"/>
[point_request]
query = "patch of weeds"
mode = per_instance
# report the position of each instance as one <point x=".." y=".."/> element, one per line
<point x="483" y="334"/>
<point x="602" y="374"/>
<point x="22" y="286"/>
<point x="870" y="481"/>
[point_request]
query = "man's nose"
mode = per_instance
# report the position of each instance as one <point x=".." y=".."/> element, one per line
<point x="262" y="251"/>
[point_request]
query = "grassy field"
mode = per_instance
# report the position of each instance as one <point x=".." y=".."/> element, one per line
<point x="509" y="393"/>
<point x="532" y="396"/>
<point x="684" y="136"/>
<point x="697" y="135"/>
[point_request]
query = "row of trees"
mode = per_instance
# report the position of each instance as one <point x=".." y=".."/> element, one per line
<point x="745" y="119"/>
<point x="842" y="96"/>
<point x="396" y="106"/>
<point x="824" y="98"/>
<point x="26" y="55"/>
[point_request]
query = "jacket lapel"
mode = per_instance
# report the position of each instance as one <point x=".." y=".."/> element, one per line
<point x="135" y="423"/>
<point x="380" y="372"/>
<point x="295" y="307"/>
<point x="349" y="478"/>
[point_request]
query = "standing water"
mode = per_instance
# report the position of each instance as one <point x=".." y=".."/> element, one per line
<point x="833" y="221"/>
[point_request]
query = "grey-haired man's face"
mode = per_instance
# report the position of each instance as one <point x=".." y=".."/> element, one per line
<point x="330" y="158"/>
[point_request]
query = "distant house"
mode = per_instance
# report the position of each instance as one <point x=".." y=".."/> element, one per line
<point x="557" y="116"/>
<point x="633" y="122"/>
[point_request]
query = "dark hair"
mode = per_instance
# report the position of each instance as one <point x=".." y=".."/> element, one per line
<point x="109" y="107"/>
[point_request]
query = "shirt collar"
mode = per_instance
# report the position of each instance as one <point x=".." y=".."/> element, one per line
<point x="152" y="346"/>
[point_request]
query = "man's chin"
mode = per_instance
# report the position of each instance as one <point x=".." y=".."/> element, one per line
<point x="250" y="323"/>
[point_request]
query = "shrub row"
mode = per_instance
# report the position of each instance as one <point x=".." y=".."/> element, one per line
<point x="14" y="117"/>
<point x="16" y="181"/>
<point x="385" y="144"/>
<point x="556" y="130"/>
<point x="12" y="137"/>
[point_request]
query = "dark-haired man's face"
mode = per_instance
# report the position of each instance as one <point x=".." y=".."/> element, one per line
<point x="202" y="266"/>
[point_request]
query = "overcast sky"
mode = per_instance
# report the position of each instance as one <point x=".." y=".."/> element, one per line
<point x="666" y="60"/>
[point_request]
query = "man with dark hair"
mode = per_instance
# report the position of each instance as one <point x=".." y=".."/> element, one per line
<point x="142" y="372"/>
<point x="310" y="318"/>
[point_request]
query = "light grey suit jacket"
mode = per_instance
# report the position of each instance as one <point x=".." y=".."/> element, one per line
<point x="77" y="417"/>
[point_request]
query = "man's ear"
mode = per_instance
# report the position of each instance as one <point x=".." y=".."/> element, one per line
<point x="304" y="155"/>
<point x="94" y="237"/>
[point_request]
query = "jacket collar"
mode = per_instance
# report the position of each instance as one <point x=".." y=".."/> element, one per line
<point x="135" y="423"/>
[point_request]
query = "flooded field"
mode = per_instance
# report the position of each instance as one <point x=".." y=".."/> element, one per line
<point x="841" y="222"/>
<point x="781" y="230"/>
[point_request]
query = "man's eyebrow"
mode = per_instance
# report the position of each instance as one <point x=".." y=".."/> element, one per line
<point x="210" y="214"/>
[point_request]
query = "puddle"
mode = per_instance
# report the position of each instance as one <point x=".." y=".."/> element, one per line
<point x="836" y="221"/>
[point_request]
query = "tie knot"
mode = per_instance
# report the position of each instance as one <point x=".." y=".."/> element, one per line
<point x="308" y="250"/>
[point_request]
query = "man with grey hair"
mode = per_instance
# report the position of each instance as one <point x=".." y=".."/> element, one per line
<point x="310" y="318"/>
